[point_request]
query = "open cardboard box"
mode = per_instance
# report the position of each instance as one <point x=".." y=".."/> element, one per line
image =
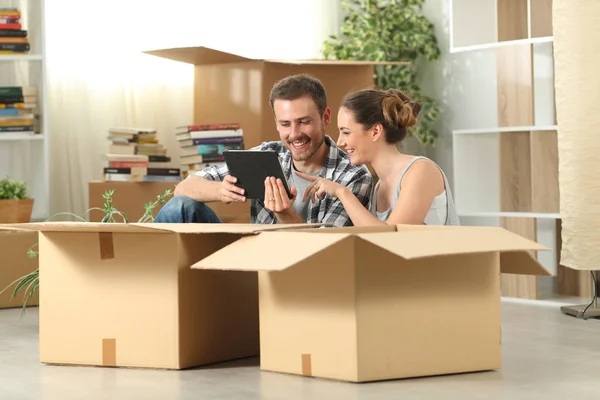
<point x="233" y="88"/>
<point x="124" y="295"/>
<point x="15" y="263"/>
<point x="368" y="304"/>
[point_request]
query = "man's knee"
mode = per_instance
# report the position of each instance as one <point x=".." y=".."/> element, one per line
<point x="179" y="203"/>
<point x="177" y="209"/>
<point x="181" y="209"/>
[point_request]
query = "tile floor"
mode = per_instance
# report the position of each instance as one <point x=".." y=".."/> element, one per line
<point x="547" y="355"/>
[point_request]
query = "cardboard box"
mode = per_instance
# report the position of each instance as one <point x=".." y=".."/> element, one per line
<point x="124" y="295"/>
<point x="14" y="264"/>
<point x="369" y="304"/>
<point x="130" y="197"/>
<point x="232" y="88"/>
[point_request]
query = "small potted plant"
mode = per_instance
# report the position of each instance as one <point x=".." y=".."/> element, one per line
<point x="15" y="206"/>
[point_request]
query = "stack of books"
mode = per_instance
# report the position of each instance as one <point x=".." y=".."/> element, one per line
<point x="135" y="155"/>
<point x="17" y="104"/>
<point x="203" y="145"/>
<point x="13" y="40"/>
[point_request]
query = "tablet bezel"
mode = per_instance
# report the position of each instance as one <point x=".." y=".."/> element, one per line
<point x="250" y="166"/>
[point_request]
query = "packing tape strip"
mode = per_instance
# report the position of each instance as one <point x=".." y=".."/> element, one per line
<point x="109" y="352"/>
<point x="306" y="365"/>
<point x="107" y="250"/>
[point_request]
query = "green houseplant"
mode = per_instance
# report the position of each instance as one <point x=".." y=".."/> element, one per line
<point x="30" y="282"/>
<point x="390" y="30"/>
<point x="15" y="206"/>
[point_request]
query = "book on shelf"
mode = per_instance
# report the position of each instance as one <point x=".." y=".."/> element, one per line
<point x="203" y="145"/>
<point x="135" y="155"/>
<point x="18" y="105"/>
<point x="13" y="39"/>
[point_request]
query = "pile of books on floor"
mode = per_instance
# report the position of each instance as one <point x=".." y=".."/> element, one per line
<point x="13" y="39"/>
<point x="135" y="155"/>
<point x="203" y="145"/>
<point x="17" y="104"/>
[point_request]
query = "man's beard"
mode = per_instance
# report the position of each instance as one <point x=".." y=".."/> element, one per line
<point x="306" y="152"/>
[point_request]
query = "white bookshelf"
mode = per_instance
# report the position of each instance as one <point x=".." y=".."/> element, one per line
<point x="25" y="156"/>
<point x="474" y="24"/>
<point x="505" y="49"/>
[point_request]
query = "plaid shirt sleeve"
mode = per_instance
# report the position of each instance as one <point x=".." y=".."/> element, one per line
<point x="218" y="172"/>
<point x="213" y="172"/>
<point x="360" y="184"/>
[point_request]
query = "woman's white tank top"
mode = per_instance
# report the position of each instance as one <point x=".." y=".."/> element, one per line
<point x="442" y="210"/>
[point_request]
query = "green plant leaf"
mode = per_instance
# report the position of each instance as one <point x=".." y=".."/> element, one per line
<point x="390" y="30"/>
<point x="12" y="189"/>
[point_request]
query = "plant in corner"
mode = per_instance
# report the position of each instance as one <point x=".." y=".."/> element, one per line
<point x="390" y="30"/>
<point x="30" y="282"/>
<point x="15" y="206"/>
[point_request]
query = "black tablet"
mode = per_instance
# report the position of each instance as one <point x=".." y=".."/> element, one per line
<point x="251" y="168"/>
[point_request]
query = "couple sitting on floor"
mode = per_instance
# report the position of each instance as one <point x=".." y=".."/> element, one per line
<point x="329" y="185"/>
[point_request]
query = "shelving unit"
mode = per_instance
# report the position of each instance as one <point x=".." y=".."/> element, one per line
<point x="506" y="159"/>
<point x="25" y="156"/>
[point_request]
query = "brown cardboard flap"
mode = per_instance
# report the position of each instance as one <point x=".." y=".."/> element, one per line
<point x="269" y="251"/>
<point x="522" y="263"/>
<point x="222" y="228"/>
<point x="12" y="229"/>
<point x="338" y="62"/>
<point x="351" y="229"/>
<point x="199" y="55"/>
<point x="67" y="226"/>
<point x="276" y="251"/>
<point x="421" y="243"/>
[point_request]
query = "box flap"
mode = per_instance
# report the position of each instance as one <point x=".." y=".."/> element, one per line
<point x="275" y="251"/>
<point x="269" y="251"/>
<point x="7" y="230"/>
<point x="199" y="55"/>
<point x="521" y="263"/>
<point x="338" y="62"/>
<point x="430" y="242"/>
<point x="11" y="228"/>
<point x="67" y="226"/>
<point x="350" y="229"/>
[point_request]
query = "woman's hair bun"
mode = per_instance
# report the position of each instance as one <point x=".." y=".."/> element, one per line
<point x="399" y="110"/>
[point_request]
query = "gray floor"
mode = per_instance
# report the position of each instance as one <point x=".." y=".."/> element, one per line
<point x="547" y="355"/>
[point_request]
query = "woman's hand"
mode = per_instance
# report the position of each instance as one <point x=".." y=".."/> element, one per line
<point x="320" y="187"/>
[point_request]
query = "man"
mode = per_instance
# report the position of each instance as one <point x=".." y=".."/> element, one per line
<point x="299" y="104"/>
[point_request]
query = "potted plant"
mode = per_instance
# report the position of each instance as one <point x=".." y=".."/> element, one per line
<point x="391" y="30"/>
<point x="15" y="206"/>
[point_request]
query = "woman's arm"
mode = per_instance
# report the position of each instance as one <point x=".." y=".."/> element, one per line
<point x="359" y="215"/>
<point x="420" y="185"/>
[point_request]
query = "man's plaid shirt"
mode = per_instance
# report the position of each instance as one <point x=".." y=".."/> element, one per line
<point x="329" y="210"/>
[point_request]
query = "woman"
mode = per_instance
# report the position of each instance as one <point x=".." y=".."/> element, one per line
<point x="411" y="190"/>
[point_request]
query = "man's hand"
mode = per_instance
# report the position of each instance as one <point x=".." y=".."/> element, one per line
<point x="276" y="200"/>
<point x="230" y="193"/>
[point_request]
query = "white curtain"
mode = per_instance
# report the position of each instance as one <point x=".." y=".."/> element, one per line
<point x="98" y="77"/>
<point x="576" y="27"/>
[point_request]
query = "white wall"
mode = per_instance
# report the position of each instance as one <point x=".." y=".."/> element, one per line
<point x="259" y="28"/>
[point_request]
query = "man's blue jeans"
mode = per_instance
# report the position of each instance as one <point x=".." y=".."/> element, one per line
<point x="181" y="209"/>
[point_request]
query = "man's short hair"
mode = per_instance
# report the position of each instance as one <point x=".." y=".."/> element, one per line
<point x="296" y="86"/>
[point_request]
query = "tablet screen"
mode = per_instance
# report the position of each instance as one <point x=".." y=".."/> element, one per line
<point x="252" y="167"/>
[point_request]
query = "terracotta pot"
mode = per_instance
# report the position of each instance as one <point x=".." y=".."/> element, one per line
<point x="15" y="211"/>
